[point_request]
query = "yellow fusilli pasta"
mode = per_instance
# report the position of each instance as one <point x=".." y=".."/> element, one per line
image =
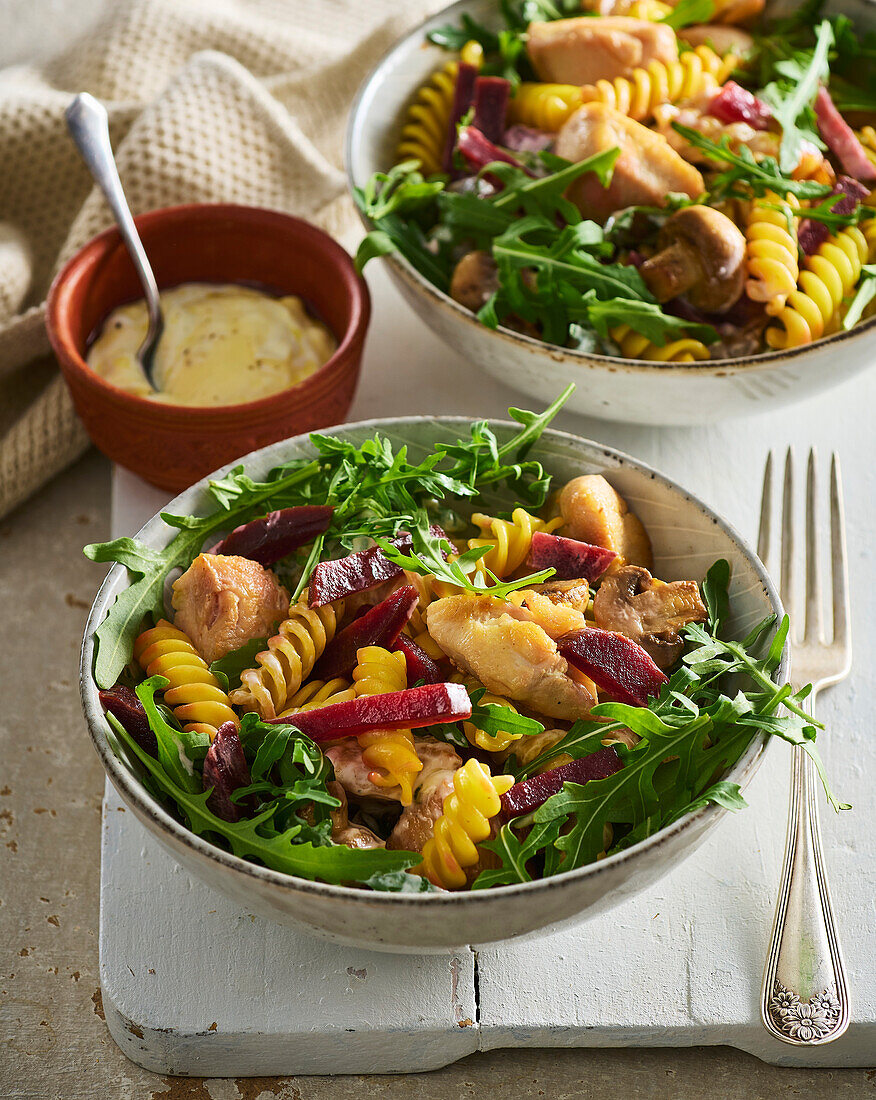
<point x="771" y="252"/>
<point x="544" y="106"/>
<point x="290" y="656"/>
<point x="633" y="345"/>
<point x="319" y="693"/>
<point x="194" y="694"/>
<point x="426" y="123"/>
<point x="696" y="71"/>
<point x="828" y="276"/>
<point x="464" y="823"/>
<point x="390" y="753"/>
<point x="509" y="541"/>
<point x="867" y="137"/>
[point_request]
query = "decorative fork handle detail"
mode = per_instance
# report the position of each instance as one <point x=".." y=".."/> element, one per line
<point x="804" y="1000"/>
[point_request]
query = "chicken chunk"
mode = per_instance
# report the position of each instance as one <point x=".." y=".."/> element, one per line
<point x="223" y="601"/>
<point x="647" y="169"/>
<point x="574" y="594"/>
<point x="555" y="617"/>
<point x="595" y="512"/>
<point x="353" y="773"/>
<point x="509" y="653"/>
<point x="583" y="50"/>
<point x="354" y="836"/>
<point x="434" y="784"/>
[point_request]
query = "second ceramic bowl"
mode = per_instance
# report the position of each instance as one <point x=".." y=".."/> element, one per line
<point x="173" y="445"/>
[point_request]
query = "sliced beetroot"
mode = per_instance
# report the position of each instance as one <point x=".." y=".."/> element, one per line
<point x="341" y="577"/>
<point x="841" y="138"/>
<point x="432" y="704"/>
<point x="614" y="663"/>
<point x="479" y="152"/>
<point x="420" y="665"/>
<point x="528" y="795"/>
<point x="277" y="534"/>
<point x="526" y="139"/>
<point x="226" y="770"/>
<point x="490" y="106"/>
<point x="463" y="92"/>
<point x="733" y="103"/>
<point x="124" y="705"/>
<point x="570" y="559"/>
<point x="380" y="625"/>
<point x="812" y="234"/>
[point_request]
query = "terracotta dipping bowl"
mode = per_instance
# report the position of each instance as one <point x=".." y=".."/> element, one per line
<point x="173" y="445"/>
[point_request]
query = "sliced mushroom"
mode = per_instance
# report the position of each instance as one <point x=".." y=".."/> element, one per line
<point x="475" y="279"/>
<point x="354" y="836"/>
<point x="631" y="602"/>
<point x="702" y="256"/>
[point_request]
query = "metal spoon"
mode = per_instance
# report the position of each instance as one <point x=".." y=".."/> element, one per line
<point x="88" y="124"/>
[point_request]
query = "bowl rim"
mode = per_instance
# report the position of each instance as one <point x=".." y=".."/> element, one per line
<point x="403" y="268"/>
<point x="350" y="285"/>
<point x="143" y="804"/>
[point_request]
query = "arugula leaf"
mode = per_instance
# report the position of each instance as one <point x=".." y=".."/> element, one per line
<point x="647" y="318"/>
<point x="686" y="12"/>
<point x="515" y="853"/>
<point x="171" y="753"/>
<point x="863" y="296"/>
<point x="336" y="863"/>
<point x="229" y="667"/>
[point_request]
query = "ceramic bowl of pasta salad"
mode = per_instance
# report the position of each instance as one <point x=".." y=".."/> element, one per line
<point x="423" y="682"/>
<point x="669" y="204"/>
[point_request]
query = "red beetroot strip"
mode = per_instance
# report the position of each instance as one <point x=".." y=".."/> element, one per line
<point x="420" y="665"/>
<point x="226" y="770"/>
<point x="841" y="139"/>
<point x="490" y="105"/>
<point x="340" y="577"/>
<point x="126" y="707"/>
<point x="570" y="559"/>
<point x="381" y="626"/>
<point x="733" y="103"/>
<point x="614" y="663"/>
<point x="277" y="534"/>
<point x="479" y="152"/>
<point x="812" y="234"/>
<point x="529" y="794"/>
<point x="432" y="704"/>
<point x="463" y="90"/>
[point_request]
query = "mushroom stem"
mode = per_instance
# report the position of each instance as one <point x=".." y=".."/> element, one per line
<point x="672" y="271"/>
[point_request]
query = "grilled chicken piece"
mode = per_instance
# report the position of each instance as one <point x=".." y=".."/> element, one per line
<point x="647" y="169"/>
<point x="568" y="593"/>
<point x="223" y="601"/>
<point x="651" y="612"/>
<point x="434" y="784"/>
<point x="582" y="51"/>
<point x="554" y="617"/>
<point x="505" y="648"/>
<point x="595" y="512"/>
<point x="354" y="836"/>
<point x="352" y="772"/>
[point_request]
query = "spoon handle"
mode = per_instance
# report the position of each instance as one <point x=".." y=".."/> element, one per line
<point x="88" y="125"/>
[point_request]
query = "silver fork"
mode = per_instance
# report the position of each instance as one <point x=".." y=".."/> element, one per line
<point x="804" y="999"/>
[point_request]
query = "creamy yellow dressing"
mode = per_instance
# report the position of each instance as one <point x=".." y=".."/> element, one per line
<point x="221" y="345"/>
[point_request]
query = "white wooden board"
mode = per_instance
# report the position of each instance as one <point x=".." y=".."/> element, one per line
<point x="195" y="985"/>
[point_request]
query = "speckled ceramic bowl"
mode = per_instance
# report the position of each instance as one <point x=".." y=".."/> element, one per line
<point x="687" y="538"/>
<point x="609" y="388"/>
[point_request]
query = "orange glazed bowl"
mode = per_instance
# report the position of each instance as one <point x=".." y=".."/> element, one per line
<point x="172" y="446"/>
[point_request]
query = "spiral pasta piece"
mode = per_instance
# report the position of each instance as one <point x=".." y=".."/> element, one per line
<point x="390" y="753"/>
<point x="544" y="106"/>
<point x="318" y="693"/>
<point x="425" y="128"/>
<point x="771" y="252"/>
<point x="489" y="742"/>
<point x="194" y="694"/>
<point x="509" y="540"/>
<point x="289" y="658"/>
<point x="828" y="276"/>
<point x="867" y="137"/>
<point x="634" y="345"/>
<point x="695" y="72"/>
<point x="464" y="823"/>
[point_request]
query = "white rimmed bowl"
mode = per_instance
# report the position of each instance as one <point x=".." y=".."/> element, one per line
<point x="687" y="538"/>
<point x="608" y="388"/>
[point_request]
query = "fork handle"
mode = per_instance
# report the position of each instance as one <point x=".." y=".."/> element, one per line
<point x="804" y="999"/>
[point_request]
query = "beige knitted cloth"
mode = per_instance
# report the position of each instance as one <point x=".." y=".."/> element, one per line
<point x="209" y="100"/>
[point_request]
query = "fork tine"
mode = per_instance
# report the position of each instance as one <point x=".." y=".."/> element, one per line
<point x="766" y="501"/>
<point x="839" y="559"/>
<point x="786" y="585"/>
<point x="814" y="630"/>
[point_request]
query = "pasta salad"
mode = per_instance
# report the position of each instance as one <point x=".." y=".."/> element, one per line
<point x="671" y="182"/>
<point x="440" y="673"/>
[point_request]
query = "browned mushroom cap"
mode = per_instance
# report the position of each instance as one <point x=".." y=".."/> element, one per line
<point x="631" y="602"/>
<point x="702" y="255"/>
<point x="475" y="279"/>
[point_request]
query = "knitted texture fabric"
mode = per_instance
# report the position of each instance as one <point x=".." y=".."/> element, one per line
<point x="209" y="101"/>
